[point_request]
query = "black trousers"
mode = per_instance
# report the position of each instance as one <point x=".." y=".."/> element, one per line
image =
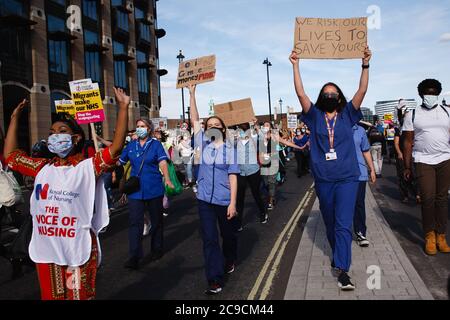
<point x="254" y="181"/>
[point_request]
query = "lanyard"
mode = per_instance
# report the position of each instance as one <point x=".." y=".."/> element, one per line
<point x="331" y="131"/>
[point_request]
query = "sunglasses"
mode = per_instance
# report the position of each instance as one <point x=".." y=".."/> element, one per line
<point x="331" y="95"/>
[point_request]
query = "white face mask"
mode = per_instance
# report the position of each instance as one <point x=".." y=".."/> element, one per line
<point x="430" y="101"/>
<point x="264" y="130"/>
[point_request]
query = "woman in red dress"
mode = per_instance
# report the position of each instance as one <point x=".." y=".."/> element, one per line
<point x="66" y="141"/>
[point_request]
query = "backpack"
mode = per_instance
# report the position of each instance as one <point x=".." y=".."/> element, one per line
<point x="10" y="190"/>
<point x="375" y="136"/>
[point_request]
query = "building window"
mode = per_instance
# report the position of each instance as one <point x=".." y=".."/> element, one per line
<point x="92" y="65"/>
<point x="120" y="74"/>
<point x="115" y="3"/>
<point x="122" y="20"/>
<point x="90" y="37"/>
<point x="143" y="80"/>
<point x="57" y="56"/>
<point x="15" y="43"/>
<point x="57" y="50"/>
<point x="118" y="48"/>
<point x="8" y="7"/>
<point x="138" y="13"/>
<point x="120" y="68"/>
<point x="141" y="57"/>
<point x="61" y="2"/>
<point x="144" y="32"/>
<point x="90" y="9"/>
<point x="92" y="58"/>
<point x="55" y="24"/>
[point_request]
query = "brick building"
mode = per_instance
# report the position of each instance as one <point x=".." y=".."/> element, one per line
<point x="47" y="43"/>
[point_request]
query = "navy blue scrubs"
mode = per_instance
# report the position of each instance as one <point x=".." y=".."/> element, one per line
<point x="336" y="181"/>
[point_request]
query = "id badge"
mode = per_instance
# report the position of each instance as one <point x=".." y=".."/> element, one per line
<point x="330" y="156"/>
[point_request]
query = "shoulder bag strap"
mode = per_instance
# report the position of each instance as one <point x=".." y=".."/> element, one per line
<point x="143" y="157"/>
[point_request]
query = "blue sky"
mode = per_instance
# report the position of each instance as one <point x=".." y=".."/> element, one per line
<point x="412" y="44"/>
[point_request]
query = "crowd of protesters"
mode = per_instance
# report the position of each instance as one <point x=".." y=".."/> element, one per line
<point x="217" y="163"/>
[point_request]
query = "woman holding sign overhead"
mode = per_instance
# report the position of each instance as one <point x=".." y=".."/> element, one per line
<point x="64" y="243"/>
<point x="333" y="160"/>
<point x="217" y="194"/>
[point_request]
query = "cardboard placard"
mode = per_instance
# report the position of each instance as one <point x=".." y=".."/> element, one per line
<point x="65" y="106"/>
<point x="317" y="38"/>
<point x="159" y="123"/>
<point x="87" y="100"/>
<point x="292" y="121"/>
<point x="196" y="71"/>
<point x="235" y="112"/>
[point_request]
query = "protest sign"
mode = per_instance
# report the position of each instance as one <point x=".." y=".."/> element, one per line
<point x="196" y="71"/>
<point x="235" y="112"/>
<point x="65" y="106"/>
<point x="292" y="121"/>
<point x="88" y="102"/>
<point x="159" y="123"/>
<point x="388" y="117"/>
<point x="317" y="38"/>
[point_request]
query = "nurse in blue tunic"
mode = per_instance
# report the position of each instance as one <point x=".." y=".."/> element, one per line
<point x="333" y="160"/>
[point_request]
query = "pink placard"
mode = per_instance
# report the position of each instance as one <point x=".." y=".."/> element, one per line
<point x="90" y="116"/>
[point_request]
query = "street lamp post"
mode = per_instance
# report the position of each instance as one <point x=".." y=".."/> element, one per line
<point x="268" y="64"/>
<point x="180" y="58"/>
<point x="281" y="111"/>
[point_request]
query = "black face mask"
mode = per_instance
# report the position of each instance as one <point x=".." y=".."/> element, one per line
<point x="330" y="104"/>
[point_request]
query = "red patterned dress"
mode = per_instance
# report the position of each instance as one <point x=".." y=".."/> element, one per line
<point x="56" y="282"/>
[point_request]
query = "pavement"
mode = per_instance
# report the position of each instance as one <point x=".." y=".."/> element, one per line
<point x="311" y="277"/>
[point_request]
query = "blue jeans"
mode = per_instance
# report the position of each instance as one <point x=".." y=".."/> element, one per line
<point x="337" y="205"/>
<point x="359" y="220"/>
<point x="136" y="225"/>
<point x="215" y="258"/>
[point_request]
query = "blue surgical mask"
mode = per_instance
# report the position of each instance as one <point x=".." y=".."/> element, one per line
<point x="142" y="133"/>
<point x="128" y="139"/>
<point x="430" y="101"/>
<point x="60" y="144"/>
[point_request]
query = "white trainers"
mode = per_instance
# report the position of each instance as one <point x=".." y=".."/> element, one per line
<point x="194" y="188"/>
<point x="362" y="240"/>
<point x="147" y="228"/>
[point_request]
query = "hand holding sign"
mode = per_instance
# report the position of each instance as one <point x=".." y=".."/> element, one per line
<point x="293" y="58"/>
<point x="18" y="110"/>
<point x="367" y="56"/>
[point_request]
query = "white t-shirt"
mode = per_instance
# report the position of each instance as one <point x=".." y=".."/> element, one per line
<point x="431" y="134"/>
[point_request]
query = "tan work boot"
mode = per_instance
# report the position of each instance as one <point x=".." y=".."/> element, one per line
<point x="442" y="243"/>
<point x="430" y="243"/>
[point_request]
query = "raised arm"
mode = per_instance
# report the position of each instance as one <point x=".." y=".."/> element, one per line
<point x="364" y="81"/>
<point x="121" y="124"/>
<point x="288" y="143"/>
<point x="195" y="118"/>
<point x="11" y="136"/>
<point x="302" y="97"/>
<point x="106" y="143"/>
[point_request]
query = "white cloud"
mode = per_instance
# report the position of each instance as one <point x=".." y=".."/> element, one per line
<point x="445" y="37"/>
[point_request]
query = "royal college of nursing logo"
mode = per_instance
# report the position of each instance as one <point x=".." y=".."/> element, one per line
<point x="41" y="192"/>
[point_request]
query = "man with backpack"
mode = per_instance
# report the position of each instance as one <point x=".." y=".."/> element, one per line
<point x="428" y="129"/>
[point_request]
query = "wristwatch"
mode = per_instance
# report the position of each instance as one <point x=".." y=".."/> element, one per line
<point x="365" y="66"/>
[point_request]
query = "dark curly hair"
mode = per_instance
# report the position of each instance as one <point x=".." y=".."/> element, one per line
<point x="320" y="100"/>
<point x="429" y="84"/>
<point x="75" y="127"/>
